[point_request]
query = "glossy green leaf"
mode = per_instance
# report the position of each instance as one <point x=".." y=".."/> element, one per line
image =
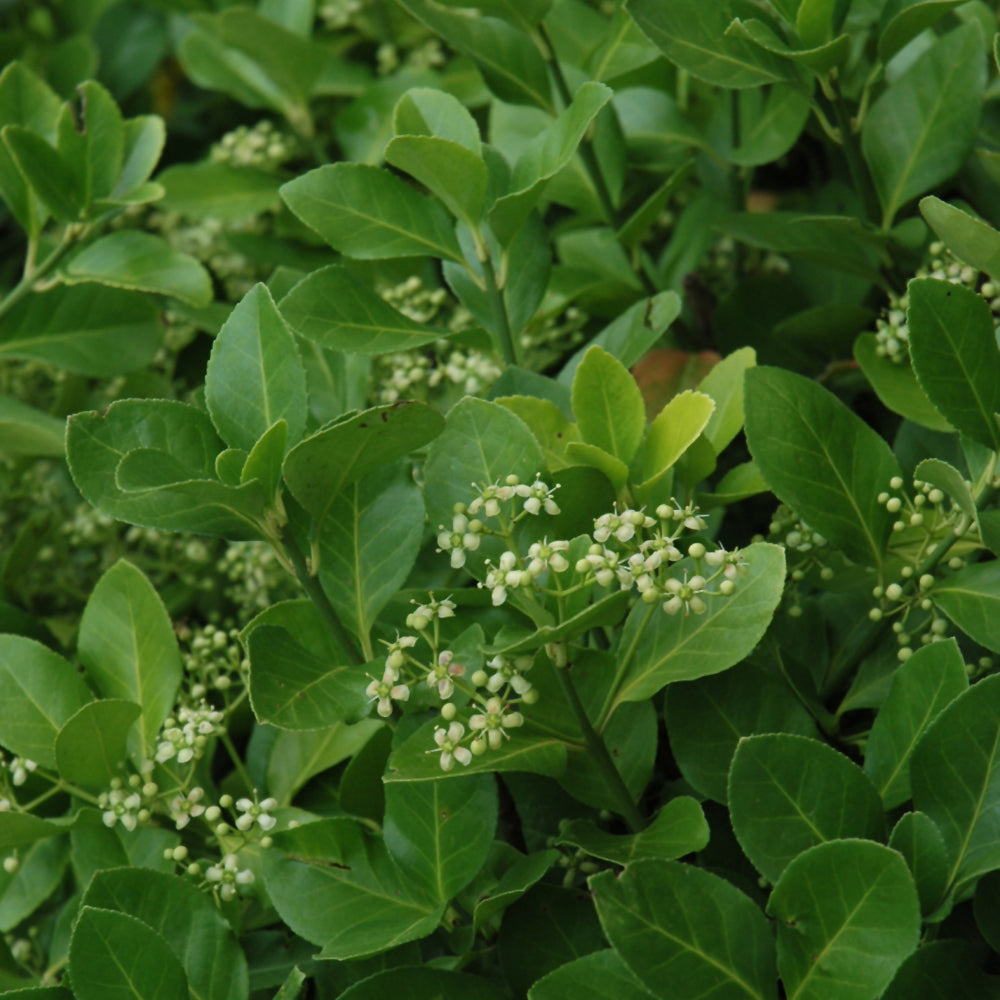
<point x="971" y="599"/>
<point x="90" y="747"/>
<point x="145" y="136"/>
<point x="896" y="385"/>
<point x="596" y="976"/>
<point x="255" y="376"/>
<point x="941" y="970"/>
<point x="417" y="983"/>
<point x="318" y="468"/>
<point x="425" y="111"/>
<point x="89" y="329"/>
<point x="581" y="453"/>
<point x="820" y="459"/>
<point x="114" y="956"/>
<point x="217" y="190"/>
<point x="674" y="430"/>
<point x="141" y="262"/>
<point x="820" y="59"/>
<point x="608" y="405"/>
<point x="968" y="237"/>
<point x="917" y="838"/>
<point x="45" y="171"/>
<point x="128" y="647"/>
<point x="930" y="680"/>
<point x="788" y="793"/>
<point x="368" y="544"/>
<point x="667" y="648"/>
<point x="40" y="692"/>
<point x="92" y="142"/>
<point x="27" y="431"/>
<point x="440" y="832"/>
<point x="922" y="127"/>
<point x="694" y="37"/>
<point x="339" y="888"/>
<point x="333" y="307"/>
<point x="685" y="932"/>
<point x="369" y="213"/>
<point x="908" y="20"/>
<point x="848" y="916"/>
<point x="954" y="352"/>
<point x="955" y="776"/>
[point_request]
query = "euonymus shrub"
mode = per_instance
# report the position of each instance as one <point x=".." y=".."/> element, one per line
<point x="464" y="641"/>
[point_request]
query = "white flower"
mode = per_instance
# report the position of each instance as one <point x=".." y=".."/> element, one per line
<point x="228" y="876"/>
<point x="505" y="672"/>
<point x="463" y="537"/>
<point x="537" y="496"/>
<point x="449" y="744"/>
<point x="499" y="578"/>
<point x="547" y="555"/>
<point x="440" y="675"/>
<point x="395" y="655"/>
<point x="685" y="595"/>
<point x="185" y="808"/>
<point x="492" y="722"/>
<point x="386" y="691"/>
<point x="255" y="812"/>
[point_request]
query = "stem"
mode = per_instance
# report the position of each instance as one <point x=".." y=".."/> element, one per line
<point x="241" y="770"/>
<point x="32" y="274"/>
<point x="599" y="750"/>
<point x="855" y="161"/>
<point x="317" y="595"/>
<point x="500" y="318"/>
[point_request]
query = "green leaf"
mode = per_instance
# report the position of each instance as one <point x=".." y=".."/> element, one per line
<point x="678" y="828"/>
<point x="788" y="793"/>
<point x="450" y="171"/>
<point x="114" y="956"/>
<point x="547" y="153"/>
<point x="968" y="237"/>
<point x="27" y="431"/>
<point x="128" y="647"/>
<point x="416" y="983"/>
<point x="36" y="880"/>
<point x="318" y="468"/>
<point x="848" y="916"/>
<point x="346" y="894"/>
<point x="89" y="329"/>
<point x="906" y="21"/>
<point x="819" y="59"/>
<point x="217" y="190"/>
<point x="954" y="352"/>
<point x="971" y="599"/>
<point x="440" y="832"/>
<point x="769" y="129"/>
<point x="941" y="970"/>
<point x="368" y="544"/>
<point x="897" y="386"/>
<point x="707" y="718"/>
<point x="596" y="976"/>
<point x="40" y="692"/>
<point x="18" y="829"/>
<point x="523" y="872"/>
<point x="674" y="430"/>
<point x="93" y="144"/>
<point x="265" y="459"/>
<point x="924" y="685"/>
<point x="579" y="453"/>
<point x="141" y="262"/>
<point x="921" y="129"/>
<point x="185" y="918"/>
<point x="90" y="747"/>
<point x="255" y="376"/>
<point x="724" y="384"/>
<point x="145" y="136"/>
<point x="45" y="171"/>
<point x="371" y="214"/>
<point x="333" y="307"/>
<point x="685" y="932"/>
<point x="693" y="36"/>
<point x="608" y="405"/>
<point x="820" y="459"/>
<point x="549" y="425"/>
<point x="426" y="111"/>
<point x="520" y="13"/>
<point x="955" y="776"/>
<point x="920" y="842"/>
<point x="667" y="648"/>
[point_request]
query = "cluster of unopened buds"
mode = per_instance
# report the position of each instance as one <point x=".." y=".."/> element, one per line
<point x="186" y="736"/>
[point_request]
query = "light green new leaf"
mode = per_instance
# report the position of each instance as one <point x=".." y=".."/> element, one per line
<point x="368" y="544"/>
<point x="90" y="748"/>
<point x="686" y="933"/>
<point x="39" y="693"/>
<point x="955" y="776"/>
<point x="318" y="468"/>
<point x="255" y="376"/>
<point x="954" y="352"/>
<point x="724" y="384"/>
<point x="919" y="840"/>
<point x="141" y="262"/>
<point x="580" y="453"/>
<point x="440" y="832"/>
<point x="693" y="36"/>
<point x="906" y="21"/>
<point x="449" y="170"/>
<point x="658" y="649"/>
<point x="596" y="976"/>
<point x="548" y="153"/>
<point x="89" y="329"/>
<point x="788" y="793"/>
<point x="968" y="237"/>
<point x="114" y="956"/>
<point x="193" y="928"/>
<point x="549" y="425"/>
<point x="678" y="828"/>
<point x="971" y="599"/>
<point x="820" y="459"/>
<point x="333" y="307"/>
<point x="426" y="111"/>
<point x="27" y="431"/>
<point x="217" y="190"/>
<point x="848" y="916"/>
<point x="674" y="430"/>
<point x="128" y="647"/>
<point x="370" y="213"/>
<point x="922" y="127"/>
<point x="339" y="888"/>
<point x="608" y="405"/>
<point x="924" y="685"/>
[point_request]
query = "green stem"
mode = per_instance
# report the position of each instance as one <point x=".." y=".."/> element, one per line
<point x="317" y="595"/>
<point x="598" y="748"/>
<point x="33" y="274"/>
<point x="501" y="320"/>
<point x="241" y="770"/>
<point x="860" y="176"/>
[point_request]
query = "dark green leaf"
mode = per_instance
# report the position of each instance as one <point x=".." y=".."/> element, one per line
<point x="27" y="431"/>
<point x="906" y="20"/>
<point x="90" y="748"/>
<point x="415" y="983"/>
<point x="596" y="976"/>
<point x="45" y="171"/>
<point x="942" y="970"/>
<point x="217" y="190"/>
<point x="971" y="599"/>
<point x="917" y="838"/>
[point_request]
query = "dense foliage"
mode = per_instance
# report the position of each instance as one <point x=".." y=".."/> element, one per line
<point x="499" y="502"/>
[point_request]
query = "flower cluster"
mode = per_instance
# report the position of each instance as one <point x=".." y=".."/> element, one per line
<point x="215" y="660"/>
<point x="129" y="803"/>
<point x="262" y="146"/>
<point x="186" y="736"/>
